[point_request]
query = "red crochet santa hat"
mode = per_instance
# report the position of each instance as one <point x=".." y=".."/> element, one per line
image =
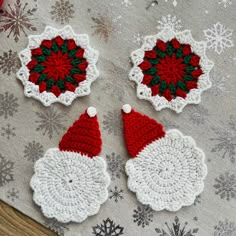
<point x="84" y="135"/>
<point x="139" y="130"/>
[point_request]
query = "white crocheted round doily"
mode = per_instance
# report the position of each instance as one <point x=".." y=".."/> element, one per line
<point x="69" y="186"/>
<point x="168" y="173"/>
<point x="66" y="98"/>
<point x="194" y="95"/>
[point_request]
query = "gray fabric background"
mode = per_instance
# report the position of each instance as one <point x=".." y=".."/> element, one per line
<point x="28" y="129"/>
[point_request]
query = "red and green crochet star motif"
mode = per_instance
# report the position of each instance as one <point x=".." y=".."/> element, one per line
<point x="57" y="66"/>
<point x="171" y="69"/>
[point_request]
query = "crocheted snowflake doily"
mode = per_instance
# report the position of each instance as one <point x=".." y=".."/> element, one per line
<point x="168" y="173"/>
<point x="171" y="69"/>
<point x="69" y="186"/>
<point x="58" y="66"/>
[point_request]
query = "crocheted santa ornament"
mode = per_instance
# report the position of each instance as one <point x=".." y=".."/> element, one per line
<point x="167" y="169"/>
<point x="70" y="182"/>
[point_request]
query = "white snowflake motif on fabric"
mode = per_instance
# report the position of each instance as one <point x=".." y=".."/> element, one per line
<point x="138" y="39"/>
<point x="126" y="3"/>
<point x="166" y="176"/>
<point x="66" y="95"/>
<point x="169" y="22"/>
<point x="225" y="3"/>
<point x="174" y="2"/>
<point x="219" y="37"/>
<point x="69" y="186"/>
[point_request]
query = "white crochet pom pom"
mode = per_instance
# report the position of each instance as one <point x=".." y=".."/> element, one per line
<point x="92" y="111"/>
<point x="126" y="108"/>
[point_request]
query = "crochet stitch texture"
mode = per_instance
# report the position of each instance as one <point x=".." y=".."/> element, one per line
<point x="167" y="171"/>
<point x="58" y="66"/>
<point x="70" y="182"/>
<point x="171" y="69"/>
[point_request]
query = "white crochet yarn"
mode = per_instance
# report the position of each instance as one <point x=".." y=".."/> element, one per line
<point x="69" y="186"/>
<point x="168" y="173"/>
<point x="66" y="98"/>
<point x="160" y="102"/>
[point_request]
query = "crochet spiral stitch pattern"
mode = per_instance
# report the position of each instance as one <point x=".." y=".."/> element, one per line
<point x="58" y="66"/>
<point x="167" y="170"/>
<point x="70" y="182"/>
<point x="171" y="69"/>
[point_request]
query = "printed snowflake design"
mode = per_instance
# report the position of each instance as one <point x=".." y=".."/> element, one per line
<point x="198" y="115"/>
<point x="108" y="227"/>
<point x="105" y="26"/>
<point x="8" y="131"/>
<point x="174" y="2"/>
<point x="218" y="84"/>
<point x="112" y="122"/>
<point x="115" y="165"/>
<point x="116" y="194"/>
<point x="176" y="229"/>
<point x="226" y="186"/>
<point x="33" y="151"/>
<point x="151" y="3"/>
<point x="50" y="121"/>
<point x="13" y="194"/>
<point x="8" y="105"/>
<point x="6" y="171"/>
<point x="138" y="39"/>
<point x="62" y="11"/>
<point x="226" y="139"/>
<point x="197" y="200"/>
<point x="225" y="3"/>
<point x="225" y="228"/>
<point x="169" y="22"/>
<point x="9" y="62"/>
<point x="126" y="3"/>
<point x="143" y="215"/>
<point x="219" y="37"/>
<point x="56" y="226"/>
<point x="17" y="19"/>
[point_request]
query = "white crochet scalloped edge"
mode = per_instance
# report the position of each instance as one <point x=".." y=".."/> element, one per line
<point x="47" y="98"/>
<point x="130" y="170"/>
<point x="177" y="104"/>
<point x="38" y="196"/>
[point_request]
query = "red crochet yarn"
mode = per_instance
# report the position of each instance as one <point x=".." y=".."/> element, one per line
<point x="83" y="137"/>
<point x="139" y="131"/>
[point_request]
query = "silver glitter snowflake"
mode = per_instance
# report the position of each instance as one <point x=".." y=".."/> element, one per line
<point x="174" y="2"/>
<point x="50" y="121"/>
<point x="198" y="115"/>
<point x="112" y="122"/>
<point x="8" y="105"/>
<point x="9" y="62"/>
<point x="143" y="215"/>
<point x="116" y="194"/>
<point x="169" y="22"/>
<point x="226" y="139"/>
<point x="6" y="171"/>
<point x="225" y="228"/>
<point x="176" y="229"/>
<point x="219" y="37"/>
<point x="126" y="3"/>
<point x="33" y="151"/>
<point x="56" y="226"/>
<point x="225" y="3"/>
<point x="232" y="59"/>
<point x="115" y="165"/>
<point x="13" y="194"/>
<point x="62" y="11"/>
<point x="8" y="131"/>
<point x="225" y="186"/>
<point x="108" y="228"/>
